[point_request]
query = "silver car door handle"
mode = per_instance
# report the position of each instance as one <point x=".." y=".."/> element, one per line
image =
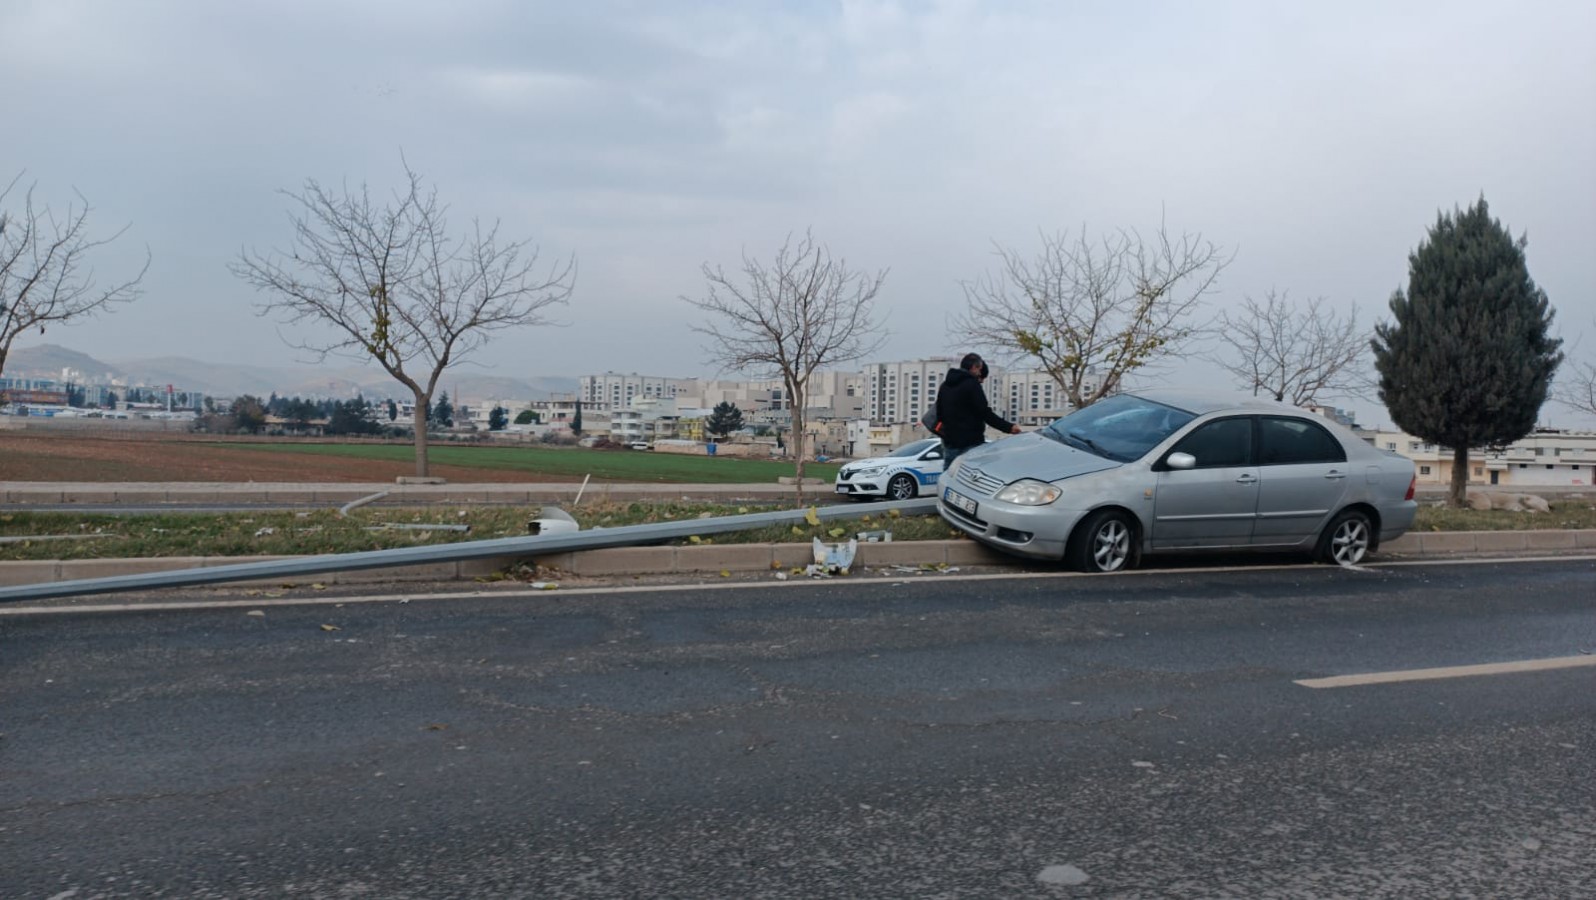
<point x="1335" y="474"/>
<point x="1247" y="479"/>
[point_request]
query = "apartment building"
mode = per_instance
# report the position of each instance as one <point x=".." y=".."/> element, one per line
<point x="901" y="391"/>
<point x="615" y="391"/>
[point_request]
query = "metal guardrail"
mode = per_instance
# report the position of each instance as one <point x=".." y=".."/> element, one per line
<point x="541" y="545"/>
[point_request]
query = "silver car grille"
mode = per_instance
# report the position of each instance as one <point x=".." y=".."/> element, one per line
<point x="971" y="477"/>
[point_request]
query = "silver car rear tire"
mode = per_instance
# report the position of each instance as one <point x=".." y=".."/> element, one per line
<point x="1347" y="539"/>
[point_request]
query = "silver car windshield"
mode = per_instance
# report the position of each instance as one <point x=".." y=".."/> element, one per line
<point x="1121" y="428"/>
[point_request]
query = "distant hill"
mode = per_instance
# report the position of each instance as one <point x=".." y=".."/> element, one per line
<point x="226" y="380"/>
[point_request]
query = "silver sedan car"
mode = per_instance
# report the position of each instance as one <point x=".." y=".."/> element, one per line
<point x="1164" y="471"/>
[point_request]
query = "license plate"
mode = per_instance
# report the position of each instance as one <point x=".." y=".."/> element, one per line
<point x="842" y="489"/>
<point x="959" y="501"/>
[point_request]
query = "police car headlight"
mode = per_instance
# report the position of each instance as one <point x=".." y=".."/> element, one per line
<point x="872" y="470"/>
<point x="1030" y="492"/>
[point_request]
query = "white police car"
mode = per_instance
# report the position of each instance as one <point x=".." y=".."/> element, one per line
<point x="903" y="474"/>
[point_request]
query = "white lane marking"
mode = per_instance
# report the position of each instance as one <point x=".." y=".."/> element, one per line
<point x="1503" y="668"/>
<point x="900" y="578"/>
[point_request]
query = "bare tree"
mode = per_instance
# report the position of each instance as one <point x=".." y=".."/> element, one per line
<point x="393" y="285"/>
<point x="1089" y="312"/>
<point x="788" y="319"/>
<point x="45" y="276"/>
<point x="1292" y="352"/>
<point x="1578" y="388"/>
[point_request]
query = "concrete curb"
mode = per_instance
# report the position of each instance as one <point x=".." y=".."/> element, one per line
<point x="743" y="558"/>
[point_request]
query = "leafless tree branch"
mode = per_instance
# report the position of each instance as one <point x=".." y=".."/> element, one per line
<point x="1294" y="352"/>
<point x="1088" y="312"/>
<point x="389" y="282"/>
<point x="45" y="276"/>
<point x="804" y="311"/>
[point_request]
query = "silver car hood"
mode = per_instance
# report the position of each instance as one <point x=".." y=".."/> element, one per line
<point x="1033" y="456"/>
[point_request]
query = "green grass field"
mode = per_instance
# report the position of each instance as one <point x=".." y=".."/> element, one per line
<point x="637" y="466"/>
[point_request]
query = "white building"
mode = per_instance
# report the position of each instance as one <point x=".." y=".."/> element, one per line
<point x="1545" y="458"/>
<point x="614" y="391"/>
<point x="901" y="391"/>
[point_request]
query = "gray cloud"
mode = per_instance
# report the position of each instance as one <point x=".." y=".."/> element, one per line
<point x="647" y="138"/>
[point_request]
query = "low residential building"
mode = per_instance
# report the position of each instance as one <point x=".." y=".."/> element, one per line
<point x="1544" y="458"/>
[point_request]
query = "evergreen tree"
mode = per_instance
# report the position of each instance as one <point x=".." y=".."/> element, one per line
<point x="576" y="420"/>
<point x="248" y="414"/>
<point x="724" y="419"/>
<point x="526" y="417"/>
<point x="1468" y="358"/>
<point x="443" y="411"/>
<point x="498" y="417"/>
<point x="393" y="411"/>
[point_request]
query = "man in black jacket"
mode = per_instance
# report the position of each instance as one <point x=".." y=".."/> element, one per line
<point x="962" y="410"/>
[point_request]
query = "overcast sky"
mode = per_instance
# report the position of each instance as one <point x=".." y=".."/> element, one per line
<point x="646" y="138"/>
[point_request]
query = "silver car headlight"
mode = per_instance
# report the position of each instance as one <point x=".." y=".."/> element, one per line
<point x="873" y="470"/>
<point x="1030" y="492"/>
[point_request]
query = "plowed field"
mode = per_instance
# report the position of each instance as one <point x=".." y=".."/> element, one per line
<point x="45" y="456"/>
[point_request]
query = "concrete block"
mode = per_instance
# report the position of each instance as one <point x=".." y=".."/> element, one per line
<point x="565" y="562"/>
<point x="970" y="553"/>
<point x="1585" y="540"/>
<point x="730" y="557"/>
<point x="1499" y="541"/>
<point x="1447" y="541"/>
<point x="34" y="495"/>
<point x="29" y="572"/>
<point x="75" y="569"/>
<point x="1407" y="545"/>
<point x="145" y="497"/>
<point x="792" y="556"/>
<point x="483" y="568"/>
<point x="1550" y="540"/>
<point x="92" y="497"/>
<point x="624" y="561"/>
<point x="291" y="496"/>
<point x="903" y="553"/>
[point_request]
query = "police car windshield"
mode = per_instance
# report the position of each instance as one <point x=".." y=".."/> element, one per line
<point x="914" y="449"/>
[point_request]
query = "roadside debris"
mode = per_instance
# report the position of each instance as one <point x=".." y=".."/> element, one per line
<point x="552" y="520"/>
<point x="831" y="559"/>
<point x="343" y="511"/>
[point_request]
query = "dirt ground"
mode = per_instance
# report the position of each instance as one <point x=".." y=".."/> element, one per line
<point x="46" y="456"/>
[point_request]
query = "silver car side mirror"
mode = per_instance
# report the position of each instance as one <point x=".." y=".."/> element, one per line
<point x="1181" y="461"/>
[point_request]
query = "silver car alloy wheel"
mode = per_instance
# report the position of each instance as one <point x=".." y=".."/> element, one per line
<point x="1350" y="541"/>
<point x="1111" y="546"/>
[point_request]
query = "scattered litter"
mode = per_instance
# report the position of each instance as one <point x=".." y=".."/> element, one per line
<point x="330" y="628"/>
<point x="837" y="532"/>
<point x="812" y="517"/>
<point x="832" y="559"/>
<point x="874" y="537"/>
<point x="536" y="586"/>
<point x="256" y="612"/>
<point x="724" y="573"/>
<point x="261" y="532"/>
<point x="318" y="586"/>
<point x="781" y="576"/>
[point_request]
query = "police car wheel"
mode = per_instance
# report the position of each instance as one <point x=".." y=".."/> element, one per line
<point x="901" y="487"/>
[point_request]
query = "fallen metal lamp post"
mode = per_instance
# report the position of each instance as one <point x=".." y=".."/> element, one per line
<point x="540" y="545"/>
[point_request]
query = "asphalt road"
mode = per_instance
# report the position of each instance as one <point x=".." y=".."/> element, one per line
<point x="1141" y="735"/>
